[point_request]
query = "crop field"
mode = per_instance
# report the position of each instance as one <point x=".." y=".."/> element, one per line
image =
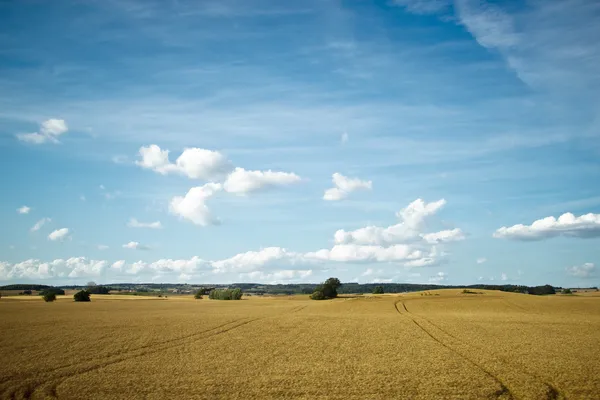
<point x="440" y="344"/>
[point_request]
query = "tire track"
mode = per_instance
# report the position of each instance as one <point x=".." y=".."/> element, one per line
<point x="27" y="386"/>
<point x="501" y="365"/>
<point x="48" y="382"/>
<point x="553" y="393"/>
<point x="503" y="392"/>
<point x="113" y="354"/>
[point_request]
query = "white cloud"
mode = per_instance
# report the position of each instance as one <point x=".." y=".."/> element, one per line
<point x="242" y="181"/>
<point x="343" y="186"/>
<point x="451" y="235"/>
<point x="155" y="159"/>
<point x="503" y="277"/>
<point x="481" y="260"/>
<point x="191" y="267"/>
<point x="102" y="247"/>
<point x="254" y="260"/>
<point x="23" y="210"/>
<point x="38" y="225"/>
<point x="582" y="271"/>
<point x="193" y="205"/>
<point x="408" y="229"/>
<point x="74" y="267"/>
<point x="488" y="24"/>
<point x="59" y="234"/>
<point x="584" y="226"/>
<point x="204" y="164"/>
<point x="366" y="253"/>
<point x="134" y="223"/>
<point x="280" y="276"/>
<point x="439" y="277"/>
<point x="135" y="246"/>
<point x="195" y="163"/>
<point x="50" y="130"/>
<point x="118" y="265"/>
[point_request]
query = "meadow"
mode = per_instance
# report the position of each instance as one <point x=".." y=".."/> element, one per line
<point x="438" y="344"/>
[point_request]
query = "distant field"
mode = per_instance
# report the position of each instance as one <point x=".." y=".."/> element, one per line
<point x="441" y="345"/>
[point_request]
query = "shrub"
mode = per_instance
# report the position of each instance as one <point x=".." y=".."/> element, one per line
<point x="26" y="292"/>
<point x="225" y="294"/>
<point x="567" y="291"/>
<point x="378" y="290"/>
<point x="82" y="295"/>
<point x="198" y="294"/>
<point x="327" y="290"/>
<point x="49" y="296"/>
<point x="318" y="295"/>
<point x="56" y="291"/>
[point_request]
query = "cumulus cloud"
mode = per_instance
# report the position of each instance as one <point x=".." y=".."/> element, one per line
<point x="38" y="225"/>
<point x="23" y="210"/>
<point x="281" y="276"/>
<point x="408" y="229"/>
<point x="253" y="260"/>
<point x="405" y="244"/>
<point x="74" y="267"/>
<point x="242" y="182"/>
<point x="451" y="235"/>
<point x="193" y="205"/>
<point x="59" y="234"/>
<point x="582" y="271"/>
<point x="584" y="226"/>
<point x="162" y="267"/>
<point x="481" y="260"/>
<point x="134" y="223"/>
<point x="49" y="131"/>
<point x="135" y="246"/>
<point x="343" y="186"/>
<point x="118" y="265"/>
<point x="195" y="163"/>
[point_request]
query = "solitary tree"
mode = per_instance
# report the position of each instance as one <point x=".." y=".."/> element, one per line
<point x="198" y="294"/>
<point x="82" y="295"/>
<point x="327" y="290"/>
<point x="49" y="296"/>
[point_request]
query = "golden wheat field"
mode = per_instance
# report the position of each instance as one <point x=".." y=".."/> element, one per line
<point x="413" y="346"/>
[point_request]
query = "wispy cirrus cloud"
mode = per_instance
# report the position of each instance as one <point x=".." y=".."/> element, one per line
<point x="134" y="223"/>
<point x="49" y="131"/>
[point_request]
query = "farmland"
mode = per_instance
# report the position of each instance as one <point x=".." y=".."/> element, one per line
<point x="438" y="344"/>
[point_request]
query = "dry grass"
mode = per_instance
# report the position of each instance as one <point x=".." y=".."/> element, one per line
<point x="493" y="345"/>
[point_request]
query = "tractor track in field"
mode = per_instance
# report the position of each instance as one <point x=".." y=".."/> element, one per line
<point x="503" y="392"/>
<point x="49" y="381"/>
<point x="501" y="366"/>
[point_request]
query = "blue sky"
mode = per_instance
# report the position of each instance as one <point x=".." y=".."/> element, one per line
<point x="261" y="141"/>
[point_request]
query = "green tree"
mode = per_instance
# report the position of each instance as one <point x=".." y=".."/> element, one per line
<point x="378" y="290"/>
<point x="82" y="295"/>
<point x="327" y="290"/>
<point x="198" y="294"/>
<point x="49" y="296"/>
